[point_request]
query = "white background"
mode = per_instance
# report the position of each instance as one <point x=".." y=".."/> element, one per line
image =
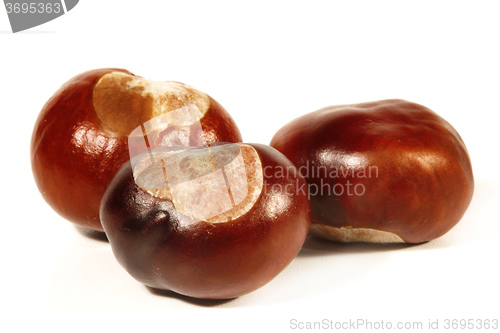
<point x="267" y="62"/>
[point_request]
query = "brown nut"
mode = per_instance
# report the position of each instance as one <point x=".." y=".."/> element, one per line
<point x="385" y="171"/>
<point x="206" y="222"/>
<point x="98" y="119"/>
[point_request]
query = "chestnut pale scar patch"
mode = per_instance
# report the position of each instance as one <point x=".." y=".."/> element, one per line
<point x="350" y="235"/>
<point x="124" y="102"/>
<point x="212" y="184"/>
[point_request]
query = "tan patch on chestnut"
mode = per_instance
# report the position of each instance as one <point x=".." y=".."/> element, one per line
<point x="124" y="102"/>
<point x="349" y="234"/>
<point x="213" y="184"/>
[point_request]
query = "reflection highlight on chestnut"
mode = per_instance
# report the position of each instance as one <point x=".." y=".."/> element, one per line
<point x="98" y="119"/>
<point x="385" y="171"/>
<point x="206" y="222"/>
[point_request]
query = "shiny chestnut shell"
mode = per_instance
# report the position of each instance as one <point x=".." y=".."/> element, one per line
<point x="410" y="167"/>
<point x="74" y="158"/>
<point x="158" y="246"/>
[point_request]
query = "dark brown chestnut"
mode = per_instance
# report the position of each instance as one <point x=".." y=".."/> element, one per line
<point x="98" y="119"/>
<point x="211" y="222"/>
<point x="384" y="171"/>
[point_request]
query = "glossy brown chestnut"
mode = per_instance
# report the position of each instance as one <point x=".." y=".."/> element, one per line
<point x="385" y="171"/>
<point x="206" y="222"/>
<point x="99" y="119"/>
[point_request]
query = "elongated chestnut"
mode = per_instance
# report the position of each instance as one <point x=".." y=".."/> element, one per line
<point x="98" y="119"/>
<point x="206" y="222"/>
<point x="385" y="171"/>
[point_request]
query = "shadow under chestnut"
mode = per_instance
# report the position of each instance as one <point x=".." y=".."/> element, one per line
<point x="92" y="234"/>
<point x="187" y="299"/>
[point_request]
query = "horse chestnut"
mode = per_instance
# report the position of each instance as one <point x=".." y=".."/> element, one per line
<point x="206" y="222"/>
<point x="384" y="171"/>
<point x="98" y="119"/>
